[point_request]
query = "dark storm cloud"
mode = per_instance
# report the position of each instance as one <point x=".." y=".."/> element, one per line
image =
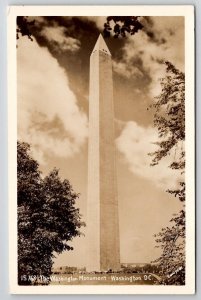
<point x="135" y="72"/>
<point x="81" y="28"/>
<point x="154" y="38"/>
<point x="74" y="27"/>
<point x="150" y="28"/>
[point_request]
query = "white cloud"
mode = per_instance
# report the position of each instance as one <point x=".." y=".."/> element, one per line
<point x="61" y="42"/>
<point x="135" y="142"/>
<point x="127" y="70"/>
<point x="151" y="53"/>
<point x="43" y="96"/>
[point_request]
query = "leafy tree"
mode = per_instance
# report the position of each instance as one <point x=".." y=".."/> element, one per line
<point x="169" y="119"/>
<point x="172" y="242"/>
<point x="23" y="27"/>
<point x="47" y="218"/>
<point x="122" y="25"/>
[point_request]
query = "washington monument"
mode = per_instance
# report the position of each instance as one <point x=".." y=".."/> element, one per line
<point x="102" y="207"/>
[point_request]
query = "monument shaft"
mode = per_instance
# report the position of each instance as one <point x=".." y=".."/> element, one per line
<point x="102" y="219"/>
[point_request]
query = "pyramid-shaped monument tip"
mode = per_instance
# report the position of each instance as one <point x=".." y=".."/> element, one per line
<point x="101" y="45"/>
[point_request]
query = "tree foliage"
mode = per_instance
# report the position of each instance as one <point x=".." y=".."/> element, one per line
<point x="171" y="240"/>
<point x="122" y="26"/>
<point x="23" y="27"/>
<point x="169" y="119"/>
<point x="47" y="217"/>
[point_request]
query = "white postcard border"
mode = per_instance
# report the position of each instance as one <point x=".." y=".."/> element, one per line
<point x="155" y="10"/>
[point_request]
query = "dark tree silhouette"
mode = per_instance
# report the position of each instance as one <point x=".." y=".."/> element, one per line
<point x="47" y="218"/>
<point x="23" y="27"/>
<point x="122" y="25"/>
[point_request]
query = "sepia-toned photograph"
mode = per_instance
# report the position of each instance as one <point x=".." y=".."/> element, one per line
<point x="101" y="150"/>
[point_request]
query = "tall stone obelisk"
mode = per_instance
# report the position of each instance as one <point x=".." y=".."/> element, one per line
<point x="102" y="207"/>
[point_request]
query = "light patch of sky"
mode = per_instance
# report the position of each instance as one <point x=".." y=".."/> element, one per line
<point x="43" y="95"/>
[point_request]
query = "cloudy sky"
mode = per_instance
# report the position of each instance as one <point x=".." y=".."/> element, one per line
<point x="53" y="81"/>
